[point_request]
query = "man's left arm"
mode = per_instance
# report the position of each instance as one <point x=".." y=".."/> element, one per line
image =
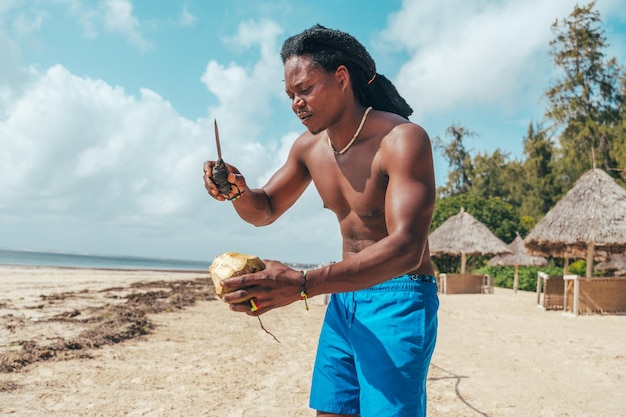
<point x="409" y="202"/>
<point x="410" y="197"/>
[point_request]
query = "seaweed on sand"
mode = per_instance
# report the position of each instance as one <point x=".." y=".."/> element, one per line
<point x="125" y="317"/>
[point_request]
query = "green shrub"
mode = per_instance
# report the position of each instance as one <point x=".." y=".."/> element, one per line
<point x="503" y="275"/>
<point x="578" y="267"/>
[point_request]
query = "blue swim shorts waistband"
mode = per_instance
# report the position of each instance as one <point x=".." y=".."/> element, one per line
<point x="406" y="282"/>
<point x="419" y="277"/>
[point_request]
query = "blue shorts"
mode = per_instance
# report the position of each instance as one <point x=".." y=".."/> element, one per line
<point x="375" y="349"/>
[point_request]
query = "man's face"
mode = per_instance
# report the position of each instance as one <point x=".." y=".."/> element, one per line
<point x="312" y="91"/>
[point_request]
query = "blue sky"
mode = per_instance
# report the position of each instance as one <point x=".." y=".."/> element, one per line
<point x="106" y="109"/>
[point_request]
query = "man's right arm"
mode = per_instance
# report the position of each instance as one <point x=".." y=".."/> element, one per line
<point x="262" y="206"/>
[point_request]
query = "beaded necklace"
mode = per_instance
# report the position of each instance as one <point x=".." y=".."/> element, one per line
<point x="356" y="135"/>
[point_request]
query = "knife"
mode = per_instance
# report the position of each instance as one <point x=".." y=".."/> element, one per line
<point x="220" y="173"/>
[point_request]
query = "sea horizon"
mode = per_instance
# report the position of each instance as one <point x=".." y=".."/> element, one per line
<point x="25" y="257"/>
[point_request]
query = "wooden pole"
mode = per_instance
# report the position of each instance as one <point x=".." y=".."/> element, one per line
<point x="566" y="283"/>
<point x="576" y="294"/>
<point x="515" y="279"/>
<point x="590" y="247"/>
<point x="463" y="262"/>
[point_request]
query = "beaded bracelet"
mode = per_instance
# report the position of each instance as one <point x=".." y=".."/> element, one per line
<point x="303" y="294"/>
<point x="236" y="196"/>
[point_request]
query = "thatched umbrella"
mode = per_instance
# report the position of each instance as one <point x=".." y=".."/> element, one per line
<point x="589" y="219"/>
<point x="519" y="257"/>
<point x="615" y="263"/>
<point x="463" y="235"/>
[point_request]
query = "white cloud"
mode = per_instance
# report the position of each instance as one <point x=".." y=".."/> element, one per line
<point x="13" y="75"/>
<point x="80" y="143"/>
<point x="119" y="18"/>
<point x="81" y="152"/>
<point x="7" y="5"/>
<point x="473" y="53"/>
<point x="86" y="17"/>
<point x="25" y="24"/>
<point x="186" y="18"/>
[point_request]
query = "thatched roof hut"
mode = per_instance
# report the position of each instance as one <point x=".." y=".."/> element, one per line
<point x="590" y="217"/>
<point x="462" y="235"/>
<point x="519" y="257"/>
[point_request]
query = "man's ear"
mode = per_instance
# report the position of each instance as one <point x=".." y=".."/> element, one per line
<point x="343" y="75"/>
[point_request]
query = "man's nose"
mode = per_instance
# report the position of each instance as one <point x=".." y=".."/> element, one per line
<point x="297" y="103"/>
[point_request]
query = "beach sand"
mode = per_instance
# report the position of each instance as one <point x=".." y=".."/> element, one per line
<point x="81" y="342"/>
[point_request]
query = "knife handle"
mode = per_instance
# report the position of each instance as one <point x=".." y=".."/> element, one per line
<point x="220" y="178"/>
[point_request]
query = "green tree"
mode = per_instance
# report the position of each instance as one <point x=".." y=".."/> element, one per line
<point x="459" y="160"/>
<point x="540" y="182"/>
<point x="584" y="104"/>
<point x="484" y="175"/>
<point x="494" y="176"/>
<point x="488" y="179"/>
<point x="513" y="174"/>
<point x="618" y="150"/>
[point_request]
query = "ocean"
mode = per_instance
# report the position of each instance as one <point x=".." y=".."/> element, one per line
<point x="73" y="260"/>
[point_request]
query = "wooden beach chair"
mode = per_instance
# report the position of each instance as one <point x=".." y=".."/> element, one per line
<point x="596" y="295"/>
<point x="465" y="284"/>
<point x="553" y="289"/>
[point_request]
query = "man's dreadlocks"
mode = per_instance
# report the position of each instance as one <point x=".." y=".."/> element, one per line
<point x="331" y="48"/>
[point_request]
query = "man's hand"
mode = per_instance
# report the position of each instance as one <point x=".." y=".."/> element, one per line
<point x="236" y="180"/>
<point x="275" y="286"/>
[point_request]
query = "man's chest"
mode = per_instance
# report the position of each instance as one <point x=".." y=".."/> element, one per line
<point x="357" y="188"/>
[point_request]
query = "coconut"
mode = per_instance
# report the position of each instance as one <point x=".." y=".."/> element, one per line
<point x="233" y="264"/>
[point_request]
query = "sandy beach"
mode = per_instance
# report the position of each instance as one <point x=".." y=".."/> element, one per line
<point x="88" y="342"/>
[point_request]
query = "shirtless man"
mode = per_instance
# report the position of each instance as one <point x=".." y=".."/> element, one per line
<point x="373" y="168"/>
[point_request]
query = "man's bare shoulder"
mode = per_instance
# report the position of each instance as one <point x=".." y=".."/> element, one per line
<point x="403" y="144"/>
<point x="306" y="138"/>
<point x="395" y="130"/>
<point x="305" y="144"/>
